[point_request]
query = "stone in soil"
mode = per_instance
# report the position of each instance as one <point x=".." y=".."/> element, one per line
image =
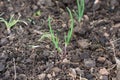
<point x="22" y="77"/>
<point x="80" y="72"/>
<point x="84" y="79"/>
<point x="45" y="2"/>
<point x="72" y="72"/>
<point x="49" y="76"/>
<point x="41" y="76"/>
<point x="101" y="59"/>
<point x="89" y="76"/>
<point x="3" y="57"/>
<point x="83" y="43"/>
<point x="89" y="63"/>
<point x="7" y="75"/>
<point x="2" y="66"/>
<point x="104" y="77"/>
<point x="103" y="71"/>
<point x="114" y="3"/>
<point x="56" y="69"/>
<point x="96" y="5"/>
<point x="85" y="54"/>
<point x="118" y="75"/>
<point x="3" y="41"/>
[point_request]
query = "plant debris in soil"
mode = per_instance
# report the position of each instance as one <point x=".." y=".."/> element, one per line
<point x="90" y="55"/>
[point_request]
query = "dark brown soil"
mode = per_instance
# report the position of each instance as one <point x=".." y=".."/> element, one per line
<point x="89" y="55"/>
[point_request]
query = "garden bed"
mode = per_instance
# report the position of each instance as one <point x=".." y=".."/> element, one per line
<point x="89" y="56"/>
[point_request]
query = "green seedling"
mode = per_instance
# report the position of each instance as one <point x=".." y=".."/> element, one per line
<point x="31" y="21"/>
<point x="69" y="35"/>
<point x="37" y="13"/>
<point x="80" y="11"/>
<point x="33" y="46"/>
<point x="70" y="31"/>
<point x="55" y="39"/>
<point x="51" y="36"/>
<point x="45" y="35"/>
<point x="9" y="24"/>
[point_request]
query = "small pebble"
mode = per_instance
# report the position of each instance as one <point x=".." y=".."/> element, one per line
<point x="7" y="74"/>
<point x="96" y="5"/>
<point x="89" y="63"/>
<point x="89" y="76"/>
<point x="40" y="2"/>
<point x="103" y="77"/>
<point x="56" y="69"/>
<point x="86" y="18"/>
<point x="49" y="76"/>
<point x="116" y="25"/>
<point x="45" y="2"/>
<point x="83" y="43"/>
<point x="118" y="75"/>
<point x="72" y="72"/>
<point x="85" y="54"/>
<point x="1" y="3"/>
<point x="10" y="8"/>
<point x="2" y="66"/>
<point x="106" y="34"/>
<point x="86" y="1"/>
<point x="49" y="2"/>
<point x="80" y="72"/>
<point x="114" y="79"/>
<point x="22" y="77"/>
<point x="83" y="78"/>
<point x="34" y="7"/>
<point x="66" y="60"/>
<point x="101" y="59"/>
<point x="103" y="71"/>
<point x="41" y="76"/>
<point x="3" y="57"/>
<point x="114" y="3"/>
<point x="3" y="41"/>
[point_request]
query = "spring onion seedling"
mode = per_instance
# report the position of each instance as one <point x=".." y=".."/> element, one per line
<point x="80" y="11"/>
<point x="55" y="39"/>
<point x="69" y="35"/>
<point x="37" y="13"/>
<point x="51" y="36"/>
<point x="9" y="24"/>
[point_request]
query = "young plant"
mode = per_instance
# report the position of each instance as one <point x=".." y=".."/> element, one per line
<point x="37" y="13"/>
<point x="9" y="24"/>
<point x="69" y="35"/>
<point x="51" y="36"/>
<point x="80" y="11"/>
<point x="55" y="39"/>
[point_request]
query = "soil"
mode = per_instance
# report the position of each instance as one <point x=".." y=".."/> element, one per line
<point x="90" y="55"/>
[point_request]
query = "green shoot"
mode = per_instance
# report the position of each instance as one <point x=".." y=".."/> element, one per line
<point x="31" y="21"/>
<point x="51" y="36"/>
<point x="54" y="39"/>
<point x="37" y="13"/>
<point x="80" y="6"/>
<point x="9" y="24"/>
<point x="46" y="35"/>
<point x="69" y="35"/>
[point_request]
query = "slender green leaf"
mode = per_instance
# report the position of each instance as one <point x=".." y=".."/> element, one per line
<point x="69" y="35"/>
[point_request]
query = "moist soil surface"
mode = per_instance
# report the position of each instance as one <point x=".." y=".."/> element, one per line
<point x="93" y="52"/>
